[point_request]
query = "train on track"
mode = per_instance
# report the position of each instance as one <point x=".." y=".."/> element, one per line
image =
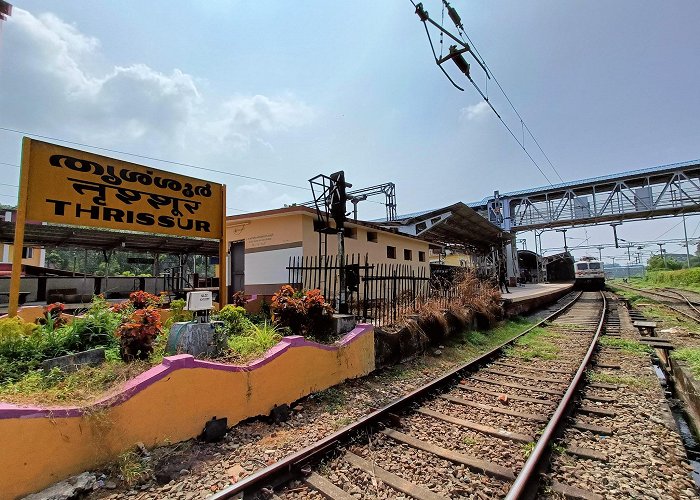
<point x="589" y="274"/>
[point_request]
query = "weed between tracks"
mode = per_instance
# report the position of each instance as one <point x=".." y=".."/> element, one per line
<point x="628" y="346"/>
<point x="536" y="344"/>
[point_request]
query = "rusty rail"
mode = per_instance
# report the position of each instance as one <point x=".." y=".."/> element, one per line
<point x="683" y="297"/>
<point x="290" y="466"/>
<point x="527" y="482"/>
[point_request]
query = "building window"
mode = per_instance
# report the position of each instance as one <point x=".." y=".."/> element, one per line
<point x="372" y="236"/>
<point x="350" y="232"/>
<point x="390" y="252"/>
<point x="421" y="256"/>
<point x="27" y="253"/>
<point x="407" y="254"/>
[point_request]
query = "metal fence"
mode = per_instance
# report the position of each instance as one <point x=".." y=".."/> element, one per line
<point x="377" y="293"/>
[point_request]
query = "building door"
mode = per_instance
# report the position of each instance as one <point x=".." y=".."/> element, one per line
<point x="238" y="266"/>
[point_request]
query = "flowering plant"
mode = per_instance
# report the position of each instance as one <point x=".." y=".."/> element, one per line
<point x="54" y="310"/>
<point x="53" y="315"/>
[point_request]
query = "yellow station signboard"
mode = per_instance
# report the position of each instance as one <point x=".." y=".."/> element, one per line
<point x="68" y="186"/>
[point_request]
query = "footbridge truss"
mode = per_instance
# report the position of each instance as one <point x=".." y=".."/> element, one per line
<point x="641" y="194"/>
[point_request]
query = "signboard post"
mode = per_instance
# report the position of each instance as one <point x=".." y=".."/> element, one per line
<point x="16" y="276"/>
<point x="71" y="187"/>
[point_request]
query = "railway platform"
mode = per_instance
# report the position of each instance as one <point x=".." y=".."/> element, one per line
<point x="525" y="298"/>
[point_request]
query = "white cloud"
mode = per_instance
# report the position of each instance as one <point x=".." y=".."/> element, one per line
<point x="474" y="111"/>
<point x="56" y="82"/>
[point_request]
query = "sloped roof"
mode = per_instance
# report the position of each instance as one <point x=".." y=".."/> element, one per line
<point x="463" y="227"/>
<point x="50" y="235"/>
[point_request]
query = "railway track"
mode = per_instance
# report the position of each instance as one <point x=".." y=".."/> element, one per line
<point x="485" y="428"/>
<point x="668" y="296"/>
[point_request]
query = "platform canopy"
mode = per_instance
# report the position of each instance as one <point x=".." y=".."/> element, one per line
<point x="59" y="236"/>
<point x="453" y="225"/>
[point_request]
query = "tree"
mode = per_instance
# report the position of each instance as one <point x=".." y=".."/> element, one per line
<point x="656" y="263"/>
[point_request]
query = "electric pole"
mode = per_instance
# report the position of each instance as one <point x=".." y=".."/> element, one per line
<point x="687" y="249"/>
<point x="566" y="248"/>
<point x="661" y="251"/>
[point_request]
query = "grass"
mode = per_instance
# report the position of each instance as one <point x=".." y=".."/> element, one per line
<point x="333" y="398"/>
<point x="56" y="387"/>
<point x="256" y="340"/>
<point x="691" y="355"/>
<point x="133" y="468"/>
<point x="342" y="422"/>
<point x="527" y="449"/>
<point x="632" y="297"/>
<point x="669" y="317"/>
<point x="535" y="345"/>
<point x="628" y="346"/>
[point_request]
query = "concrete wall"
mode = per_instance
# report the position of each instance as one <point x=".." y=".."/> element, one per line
<point x="170" y="402"/>
<point x="86" y="286"/>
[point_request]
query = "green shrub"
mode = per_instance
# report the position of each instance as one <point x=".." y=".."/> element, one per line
<point x="178" y="313"/>
<point x="235" y="320"/>
<point x="682" y="277"/>
<point x="255" y="341"/>
<point x="97" y="328"/>
<point x="16" y="338"/>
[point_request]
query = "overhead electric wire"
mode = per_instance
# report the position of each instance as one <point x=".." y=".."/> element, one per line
<point x="488" y="71"/>
<point x="137" y="155"/>
<point x="522" y="121"/>
<point x="171" y="162"/>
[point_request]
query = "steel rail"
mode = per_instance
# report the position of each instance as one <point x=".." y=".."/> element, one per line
<point x="687" y="300"/>
<point x="282" y="471"/>
<point x="527" y="481"/>
<point x="679" y="311"/>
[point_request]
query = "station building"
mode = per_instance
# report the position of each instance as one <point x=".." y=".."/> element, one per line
<point x="31" y="255"/>
<point x="262" y="245"/>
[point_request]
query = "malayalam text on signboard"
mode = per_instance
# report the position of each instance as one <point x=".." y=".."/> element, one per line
<point x="68" y="186"/>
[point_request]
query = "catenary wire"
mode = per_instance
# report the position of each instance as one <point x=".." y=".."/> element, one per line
<point x="137" y="155"/>
<point x="522" y="121"/>
<point x="171" y="162"/>
<point x="521" y="144"/>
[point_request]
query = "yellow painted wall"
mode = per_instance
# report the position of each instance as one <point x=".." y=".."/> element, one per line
<point x="377" y="252"/>
<point x="34" y="260"/>
<point x="456" y="260"/>
<point x="37" y="452"/>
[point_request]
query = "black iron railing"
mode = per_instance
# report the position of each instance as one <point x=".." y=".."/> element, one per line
<point x="378" y="293"/>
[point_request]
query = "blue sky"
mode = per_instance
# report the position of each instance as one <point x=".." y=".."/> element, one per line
<point x="285" y="90"/>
